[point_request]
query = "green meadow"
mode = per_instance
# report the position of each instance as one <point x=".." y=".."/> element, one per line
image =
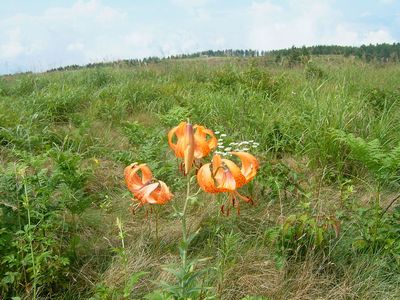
<point x="325" y="223"/>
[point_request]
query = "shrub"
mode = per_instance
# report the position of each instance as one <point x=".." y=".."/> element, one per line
<point x="303" y="233"/>
<point x="313" y="71"/>
<point x="35" y="238"/>
<point x="380" y="99"/>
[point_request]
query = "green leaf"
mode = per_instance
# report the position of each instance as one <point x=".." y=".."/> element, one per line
<point x="132" y="281"/>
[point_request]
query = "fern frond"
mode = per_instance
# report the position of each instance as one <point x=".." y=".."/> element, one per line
<point x="381" y="163"/>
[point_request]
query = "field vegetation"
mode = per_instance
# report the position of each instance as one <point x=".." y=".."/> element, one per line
<point x="325" y="223"/>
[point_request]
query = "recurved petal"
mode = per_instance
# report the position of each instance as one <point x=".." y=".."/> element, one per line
<point x="205" y="179"/>
<point x="199" y="131"/>
<point x="212" y="142"/>
<point x="147" y="176"/>
<point x="179" y="132"/>
<point x="216" y="163"/>
<point x="226" y="181"/>
<point x="203" y="144"/>
<point x="240" y="179"/>
<point x="143" y="194"/>
<point x="218" y="171"/>
<point x="171" y="134"/>
<point x="201" y="148"/>
<point x="132" y="179"/>
<point x="162" y="194"/>
<point x="250" y="164"/>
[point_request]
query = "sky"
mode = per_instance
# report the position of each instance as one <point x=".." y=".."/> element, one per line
<point x="42" y="34"/>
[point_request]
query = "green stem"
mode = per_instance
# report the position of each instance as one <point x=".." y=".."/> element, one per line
<point x="30" y="241"/>
<point x="157" y="235"/>
<point x="184" y="229"/>
<point x="123" y="251"/>
<point x="390" y="204"/>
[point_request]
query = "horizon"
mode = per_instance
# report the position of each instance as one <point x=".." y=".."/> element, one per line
<point x="42" y="36"/>
<point x="186" y="56"/>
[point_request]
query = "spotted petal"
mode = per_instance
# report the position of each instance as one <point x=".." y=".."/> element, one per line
<point x="250" y="165"/>
<point x="205" y="179"/>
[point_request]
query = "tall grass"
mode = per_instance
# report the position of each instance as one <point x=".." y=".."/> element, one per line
<point x="75" y="131"/>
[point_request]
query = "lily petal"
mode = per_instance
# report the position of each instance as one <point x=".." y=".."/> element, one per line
<point x="218" y="170"/>
<point x="179" y="132"/>
<point x="203" y="146"/>
<point x="189" y="148"/>
<point x="212" y="142"/>
<point x="147" y="176"/>
<point x="240" y="179"/>
<point x="250" y="165"/>
<point x="226" y="183"/>
<point x="143" y="194"/>
<point x="162" y="194"/>
<point x="205" y="179"/>
<point x="132" y="179"/>
<point x="142" y="186"/>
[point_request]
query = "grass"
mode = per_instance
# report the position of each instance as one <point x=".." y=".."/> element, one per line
<point x="73" y="132"/>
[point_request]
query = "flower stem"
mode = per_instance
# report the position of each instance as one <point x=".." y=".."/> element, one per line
<point x="30" y="240"/>
<point x="157" y="235"/>
<point x="184" y="229"/>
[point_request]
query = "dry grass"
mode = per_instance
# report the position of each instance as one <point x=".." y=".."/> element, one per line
<point x="254" y="274"/>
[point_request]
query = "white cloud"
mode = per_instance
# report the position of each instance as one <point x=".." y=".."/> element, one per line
<point x="90" y="30"/>
<point x="179" y="42"/>
<point x="12" y="46"/>
<point x="195" y="8"/>
<point x="92" y="10"/>
<point x="306" y="22"/>
<point x="81" y="33"/>
<point x="378" y="36"/>
<point x="87" y="31"/>
<point x="301" y="23"/>
<point x="342" y="34"/>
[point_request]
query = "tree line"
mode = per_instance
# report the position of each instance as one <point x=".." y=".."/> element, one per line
<point x="369" y="53"/>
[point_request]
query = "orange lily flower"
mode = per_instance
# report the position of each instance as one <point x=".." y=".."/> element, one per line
<point x="145" y="188"/>
<point x="224" y="176"/>
<point x="192" y="142"/>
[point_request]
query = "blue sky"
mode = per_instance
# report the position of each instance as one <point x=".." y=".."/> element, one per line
<point x="42" y="34"/>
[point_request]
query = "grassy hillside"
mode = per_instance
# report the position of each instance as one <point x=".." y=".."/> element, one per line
<point x="321" y="226"/>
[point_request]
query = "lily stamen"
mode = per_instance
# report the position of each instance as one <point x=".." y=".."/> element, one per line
<point x="223" y="175"/>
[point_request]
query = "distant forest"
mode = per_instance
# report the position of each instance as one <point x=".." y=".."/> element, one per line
<point x="382" y="53"/>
